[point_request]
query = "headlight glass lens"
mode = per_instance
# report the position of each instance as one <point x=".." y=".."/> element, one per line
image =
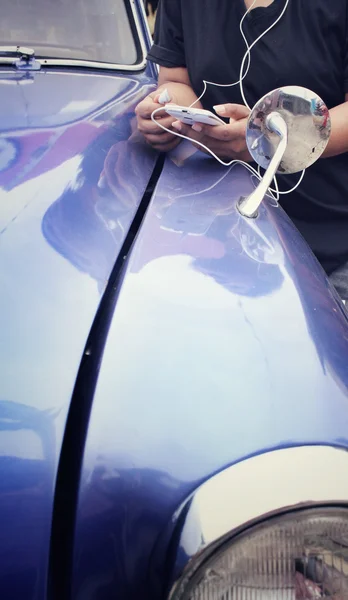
<point x="300" y="556"/>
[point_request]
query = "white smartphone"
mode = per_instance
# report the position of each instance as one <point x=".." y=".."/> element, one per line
<point x="189" y="116"/>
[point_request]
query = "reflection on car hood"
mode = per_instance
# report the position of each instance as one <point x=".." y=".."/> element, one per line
<point x="226" y="342"/>
<point x="70" y="184"/>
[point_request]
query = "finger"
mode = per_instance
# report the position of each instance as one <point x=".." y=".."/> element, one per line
<point x="154" y="101"/>
<point x="147" y="126"/>
<point x="146" y="107"/>
<point x="224" y="133"/>
<point x="232" y="111"/>
<point x="163" y="96"/>
<point x="227" y="152"/>
<point x="210" y="145"/>
<point x="235" y="147"/>
<point x="187" y="130"/>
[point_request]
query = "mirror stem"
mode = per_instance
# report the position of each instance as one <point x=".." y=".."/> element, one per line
<point x="248" y="207"/>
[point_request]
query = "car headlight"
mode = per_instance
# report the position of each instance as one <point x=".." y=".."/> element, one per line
<point x="299" y="556"/>
<point x="273" y="527"/>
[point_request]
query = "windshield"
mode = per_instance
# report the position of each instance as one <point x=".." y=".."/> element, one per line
<point x="93" y="30"/>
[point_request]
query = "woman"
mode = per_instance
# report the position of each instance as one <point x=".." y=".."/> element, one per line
<point x="198" y="40"/>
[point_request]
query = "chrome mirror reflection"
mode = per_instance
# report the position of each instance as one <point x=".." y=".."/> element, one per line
<point x="287" y="131"/>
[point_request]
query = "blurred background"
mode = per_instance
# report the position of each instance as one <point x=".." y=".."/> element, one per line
<point x="151" y="9"/>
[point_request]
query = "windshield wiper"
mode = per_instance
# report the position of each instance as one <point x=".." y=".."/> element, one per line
<point x="18" y="51"/>
<point x="23" y="57"/>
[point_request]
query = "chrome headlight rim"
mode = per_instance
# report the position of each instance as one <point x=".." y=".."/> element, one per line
<point x="192" y="574"/>
<point x="296" y="494"/>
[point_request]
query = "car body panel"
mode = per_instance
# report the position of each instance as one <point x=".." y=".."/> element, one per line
<point x="227" y="341"/>
<point x="60" y="237"/>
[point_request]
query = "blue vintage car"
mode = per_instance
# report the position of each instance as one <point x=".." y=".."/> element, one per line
<point x="174" y="376"/>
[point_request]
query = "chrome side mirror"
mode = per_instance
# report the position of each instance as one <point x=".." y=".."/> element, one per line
<point x="287" y="131"/>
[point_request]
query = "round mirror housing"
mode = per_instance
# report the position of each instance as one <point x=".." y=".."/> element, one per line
<point x="308" y="128"/>
<point x="287" y="131"/>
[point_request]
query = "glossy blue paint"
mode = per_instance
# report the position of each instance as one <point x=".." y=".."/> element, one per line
<point x="71" y="179"/>
<point x="227" y="340"/>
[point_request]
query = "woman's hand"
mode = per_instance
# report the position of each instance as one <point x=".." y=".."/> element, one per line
<point x="176" y="82"/>
<point x="155" y="136"/>
<point x="226" y="141"/>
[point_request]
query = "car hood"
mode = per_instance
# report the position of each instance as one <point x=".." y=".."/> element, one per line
<point x="227" y="341"/>
<point x="72" y="176"/>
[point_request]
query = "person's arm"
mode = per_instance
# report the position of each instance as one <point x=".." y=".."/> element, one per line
<point x="228" y="141"/>
<point x="338" y="143"/>
<point x="168" y="50"/>
<point x="176" y="82"/>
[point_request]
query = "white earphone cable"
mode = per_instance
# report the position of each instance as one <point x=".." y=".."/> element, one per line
<point x="247" y="57"/>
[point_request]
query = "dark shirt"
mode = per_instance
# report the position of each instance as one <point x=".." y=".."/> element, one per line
<point x="309" y="48"/>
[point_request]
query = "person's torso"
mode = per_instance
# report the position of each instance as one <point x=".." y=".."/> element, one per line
<point x="306" y="48"/>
